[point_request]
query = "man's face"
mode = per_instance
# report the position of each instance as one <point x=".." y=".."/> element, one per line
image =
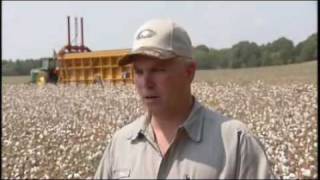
<point x="162" y="84"/>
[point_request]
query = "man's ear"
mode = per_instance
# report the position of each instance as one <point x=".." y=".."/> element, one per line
<point x="191" y="70"/>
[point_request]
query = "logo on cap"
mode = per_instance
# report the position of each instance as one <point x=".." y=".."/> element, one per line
<point x="146" y="33"/>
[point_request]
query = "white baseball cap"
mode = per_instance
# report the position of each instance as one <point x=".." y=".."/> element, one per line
<point x="160" y="38"/>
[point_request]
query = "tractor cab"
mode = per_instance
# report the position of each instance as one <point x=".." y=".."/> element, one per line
<point x="46" y="73"/>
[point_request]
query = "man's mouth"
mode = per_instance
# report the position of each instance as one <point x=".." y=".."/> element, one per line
<point x="151" y="97"/>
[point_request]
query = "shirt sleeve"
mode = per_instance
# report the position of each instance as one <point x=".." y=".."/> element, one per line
<point x="252" y="162"/>
<point x="104" y="168"/>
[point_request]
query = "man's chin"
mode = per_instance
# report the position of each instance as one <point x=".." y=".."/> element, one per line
<point x="154" y="108"/>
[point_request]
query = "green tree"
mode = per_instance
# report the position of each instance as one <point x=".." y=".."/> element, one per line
<point x="307" y="50"/>
<point x="203" y="59"/>
<point x="8" y="68"/>
<point x="203" y="48"/>
<point x="282" y="51"/>
<point x="245" y="54"/>
<point x="19" y="67"/>
<point x="215" y="59"/>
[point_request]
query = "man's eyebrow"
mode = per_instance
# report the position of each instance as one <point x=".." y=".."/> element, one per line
<point x="136" y="68"/>
<point x="164" y="63"/>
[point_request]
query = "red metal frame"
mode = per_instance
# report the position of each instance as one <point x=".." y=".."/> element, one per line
<point x="69" y="48"/>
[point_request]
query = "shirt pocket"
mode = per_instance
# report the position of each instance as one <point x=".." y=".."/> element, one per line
<point x="121" y="173"/>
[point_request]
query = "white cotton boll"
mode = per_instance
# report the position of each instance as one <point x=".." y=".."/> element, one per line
<point x="48" y="125"/>
<point x="46" y="177"/>
<point x="311" y="159"/>
<point x="301" y="161"/>
<point x="306" y="172"/>
<point x="76" y="175"/>
<point x="291" y="176"/>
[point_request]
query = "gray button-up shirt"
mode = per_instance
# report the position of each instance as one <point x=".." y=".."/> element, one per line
<point x="207" y="146"/>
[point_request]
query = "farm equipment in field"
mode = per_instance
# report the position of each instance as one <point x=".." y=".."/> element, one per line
<point x="47" y="73"/>
<point x="78" y="64"/>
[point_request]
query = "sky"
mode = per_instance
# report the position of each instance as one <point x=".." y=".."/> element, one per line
<point x="33" y="29"/>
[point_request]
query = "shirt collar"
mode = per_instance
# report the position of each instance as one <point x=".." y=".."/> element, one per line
<point x="140" y="128"/>
<point x="193" y="124"/>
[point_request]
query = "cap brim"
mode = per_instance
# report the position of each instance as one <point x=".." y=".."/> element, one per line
<point x="149" y="52"/>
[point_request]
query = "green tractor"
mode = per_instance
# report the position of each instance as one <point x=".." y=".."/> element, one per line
<point x="48" y="73"/>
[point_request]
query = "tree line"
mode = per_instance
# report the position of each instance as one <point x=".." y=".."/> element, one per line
<point x="249" y="54"/>
<point x="19" y="67"/>
<point x="240" y="55"/>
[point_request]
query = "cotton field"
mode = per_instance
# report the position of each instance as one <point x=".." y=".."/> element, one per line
<point x="61" y="131"/>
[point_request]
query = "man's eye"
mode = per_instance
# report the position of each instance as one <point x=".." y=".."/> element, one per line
<point x="138" y="71"/>
<point x="159" y="70"/>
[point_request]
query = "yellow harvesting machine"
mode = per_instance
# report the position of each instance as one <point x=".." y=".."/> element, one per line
<point x="77" y="64"/>
<point x="94" y="67"/>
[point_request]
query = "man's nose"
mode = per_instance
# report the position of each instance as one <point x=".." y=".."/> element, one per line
<point x="148" y="81"/>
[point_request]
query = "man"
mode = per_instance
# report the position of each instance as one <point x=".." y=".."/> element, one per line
<point x="178" y="137"/>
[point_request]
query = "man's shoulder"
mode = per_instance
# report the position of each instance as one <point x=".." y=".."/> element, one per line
<point x="224" y="122"/>
<point x="225" y="129"/>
